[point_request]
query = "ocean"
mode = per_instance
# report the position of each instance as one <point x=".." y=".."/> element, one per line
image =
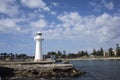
<point x="98" y="69"/>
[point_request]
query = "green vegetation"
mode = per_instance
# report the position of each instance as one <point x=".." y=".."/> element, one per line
<point x="97" y="53"/>
<point x="63" y="54"/>
<point x="111" y="52"/>
<point x="11" y="56"/>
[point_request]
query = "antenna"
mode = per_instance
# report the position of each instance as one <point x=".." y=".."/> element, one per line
<point x="36" y="30"/>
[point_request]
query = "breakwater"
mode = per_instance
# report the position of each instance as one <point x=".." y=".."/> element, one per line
<point x="38" y="70"/>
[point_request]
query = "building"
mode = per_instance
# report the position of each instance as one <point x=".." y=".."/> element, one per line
<point x="38" y="50"/>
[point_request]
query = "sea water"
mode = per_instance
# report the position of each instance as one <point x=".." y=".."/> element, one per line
<point x="98" y="69"/>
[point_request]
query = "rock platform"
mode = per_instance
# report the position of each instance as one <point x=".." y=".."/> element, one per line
<point x="38" y="70"/>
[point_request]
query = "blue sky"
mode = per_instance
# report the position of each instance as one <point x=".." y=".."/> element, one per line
<point x="71" y="25"/>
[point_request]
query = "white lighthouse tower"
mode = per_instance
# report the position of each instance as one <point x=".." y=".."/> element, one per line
<point x="38" y="51"/>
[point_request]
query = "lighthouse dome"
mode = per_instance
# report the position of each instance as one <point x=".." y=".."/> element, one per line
<point x="39" y="33"/>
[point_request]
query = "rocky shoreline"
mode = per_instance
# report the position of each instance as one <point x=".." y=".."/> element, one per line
<point x="13" y="72"/>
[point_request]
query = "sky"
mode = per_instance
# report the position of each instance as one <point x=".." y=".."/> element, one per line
<point x="70" y="25"/>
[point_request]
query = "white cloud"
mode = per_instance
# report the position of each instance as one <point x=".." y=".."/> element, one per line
<point x="35" y="4"/>
<point x="46" y="8"/>
<point x="41" y="16"/>
<point x="98" y="7"/>
<point x="8" y="7"/>
<point x="108" y="5"/>
<point x="72" y="25"/>
<point x="53" y="12"/>
<point x="39" y="24"/>
<point x="13" y="25"/>
<point x="71" y="22"/>
<point x="8" y="25"/>
<point x="54" y="3"/>
<point x="95" y="28"/>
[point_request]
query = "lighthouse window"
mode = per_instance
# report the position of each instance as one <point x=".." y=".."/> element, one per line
<point x="39" y="34"/>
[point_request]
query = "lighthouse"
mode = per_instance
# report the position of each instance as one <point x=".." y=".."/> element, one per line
<point x="38" y="51"/>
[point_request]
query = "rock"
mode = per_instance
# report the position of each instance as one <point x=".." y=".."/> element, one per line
<point x="42" y="71"/>
<point x="35" y="72"/>
<point x="66" y="62"/>
<point x="62" y="69"/>
<point x="56" y="73"/>
<point x="46" y="74"/>
<point x="6" y="72"/>
<point x="68" y="72"/>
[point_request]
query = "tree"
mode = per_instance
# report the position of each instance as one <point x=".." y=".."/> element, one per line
<point x="94" y="52"/>
<point x="4" y="55"/>
<point x="117" y="50"/>
<point x="49" y="54"/>
<point x="72" y="55"/>
<point x="81" y="53"/>
<point x="64" y="54"/>
<point x="59" y="54"/>
<point x="22" y="56"/>
<point x="98" y="53"/>
<point x="52" y="53"/>
<point x="101" y="52"/>
<point x="86" y="53"/>
<point x="110" y="50"/>
<point x="11" y="55"/>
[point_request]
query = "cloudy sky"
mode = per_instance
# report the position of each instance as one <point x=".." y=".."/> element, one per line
<point x="71" y="25"/>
